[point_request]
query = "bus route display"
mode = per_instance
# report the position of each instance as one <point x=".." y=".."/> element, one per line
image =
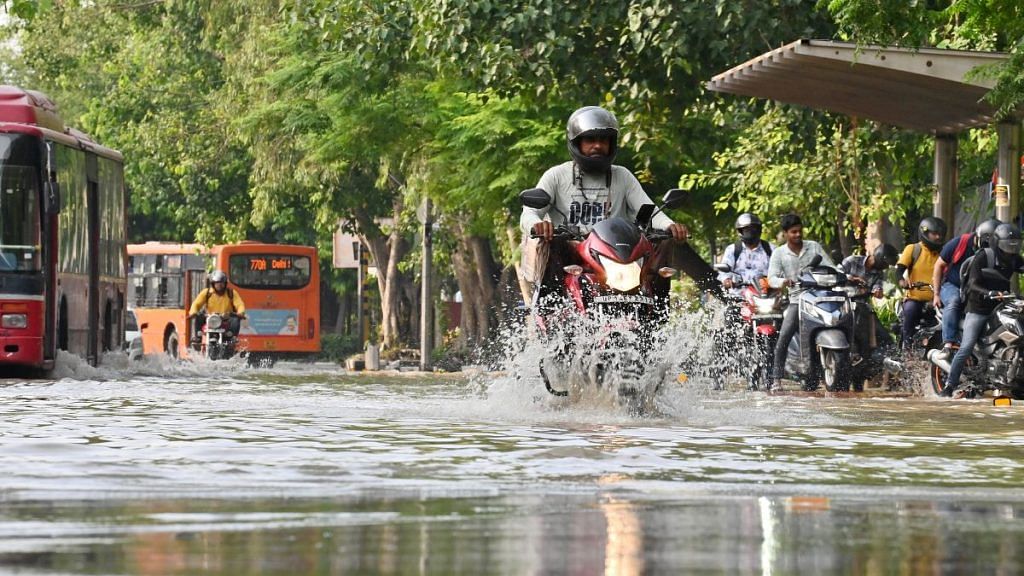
<point x="264" y="263"/>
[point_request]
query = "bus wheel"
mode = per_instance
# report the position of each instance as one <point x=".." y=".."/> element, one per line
<point x="171" y="344"/>
<point x="62" y="326"/>
<point x="261" y="361"/>
<point x="107" y="339"/>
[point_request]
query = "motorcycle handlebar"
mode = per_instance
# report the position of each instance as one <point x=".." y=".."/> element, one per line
<point x="658" y="235"/>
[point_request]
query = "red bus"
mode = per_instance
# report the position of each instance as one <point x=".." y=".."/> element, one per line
<point x="279" y="283"/>
<point x="63" y="275"/>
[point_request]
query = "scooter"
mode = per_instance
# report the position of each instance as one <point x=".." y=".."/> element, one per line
<point x="760" y="313"/>
<point x="820" y="351"/>
<point x="611" y="293"/>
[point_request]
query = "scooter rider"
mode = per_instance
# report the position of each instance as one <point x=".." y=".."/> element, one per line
<point x="584" y="191"/>
<point x="749" y="256"/>
<point x="870" y="269"/>
<point x="783" y="270"/>
<point x="947" y="277"/>
<point x="919" y="259"/>
<point x="217" y="298"/>
<point x="984" y="293"/>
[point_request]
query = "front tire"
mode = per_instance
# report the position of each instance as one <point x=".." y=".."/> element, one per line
<point x="835" y="370"/>
<point x="171" y="344"/>
<point x="936" y="381"/>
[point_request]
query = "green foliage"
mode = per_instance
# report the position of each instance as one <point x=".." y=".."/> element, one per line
<point x="337" y="347"/>
<point x="820" y="167"/>
<point x="962" y="24"/>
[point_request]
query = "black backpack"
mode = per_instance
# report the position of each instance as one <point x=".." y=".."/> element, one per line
<point x="965" y="269"/>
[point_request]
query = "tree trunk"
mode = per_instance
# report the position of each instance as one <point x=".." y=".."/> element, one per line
<point x="387" y="253"/>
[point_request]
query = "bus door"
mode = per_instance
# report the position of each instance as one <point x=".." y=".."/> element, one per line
<point x="93" y="208"/>
<point x="51" y="207"/>
<point x="195" y="281"/>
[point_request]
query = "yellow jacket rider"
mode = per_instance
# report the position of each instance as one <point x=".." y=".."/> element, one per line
<point x="217" y="298"/>
<point x="914" y="270"/>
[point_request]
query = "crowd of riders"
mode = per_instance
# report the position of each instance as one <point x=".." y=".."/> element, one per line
<point x="933" y="273"/>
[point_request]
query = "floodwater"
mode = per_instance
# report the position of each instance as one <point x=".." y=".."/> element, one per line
<point x="159" y="468"/>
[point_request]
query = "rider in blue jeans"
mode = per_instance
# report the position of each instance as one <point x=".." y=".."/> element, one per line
<point x="946" y="275"/>
<point x="983" y="294"/>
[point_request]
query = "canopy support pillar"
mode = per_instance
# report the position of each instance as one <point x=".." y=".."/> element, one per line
<point x="945" y="178"/>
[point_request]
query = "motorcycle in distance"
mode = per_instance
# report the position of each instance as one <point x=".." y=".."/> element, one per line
<point x="867" y="355"/>
<point x="997" y="363"/>
<point x="611" y="296"/>
<point x="760" y="313"/>
<point x="217" y="342"/>
<point x="928" y="332"/>
<point x="820" y="350"/>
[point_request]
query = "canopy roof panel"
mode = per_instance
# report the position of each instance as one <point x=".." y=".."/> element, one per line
<point x="924" y="90"/>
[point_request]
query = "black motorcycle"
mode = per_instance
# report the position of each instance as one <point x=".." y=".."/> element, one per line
<point x="871" y="344"/>
<point x="997" y="363"/>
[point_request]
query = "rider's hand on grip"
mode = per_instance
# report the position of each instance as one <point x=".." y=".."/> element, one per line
<point x="994" y="295"/>
<point x="544" y="230"/>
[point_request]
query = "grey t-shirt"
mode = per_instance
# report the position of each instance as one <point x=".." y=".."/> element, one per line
<point x="586" y="199"/>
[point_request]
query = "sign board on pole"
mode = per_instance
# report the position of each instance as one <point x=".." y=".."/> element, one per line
<point x="346" y="250"/>
<point x="1001" y="193"/>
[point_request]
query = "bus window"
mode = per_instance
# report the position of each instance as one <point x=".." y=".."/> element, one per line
<point x="19" y="203"/>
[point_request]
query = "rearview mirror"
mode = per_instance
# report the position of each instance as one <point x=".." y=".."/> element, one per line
<point x="644" y="215"/>
<point x="674" y="197"/>
<point x="535" y="198"/>
<point x="722" y="267"/>
<point x="815" y="261"/>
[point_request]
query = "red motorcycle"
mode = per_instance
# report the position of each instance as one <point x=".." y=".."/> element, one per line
<point x="604" y="294"/>
<point x="758" y="310"/>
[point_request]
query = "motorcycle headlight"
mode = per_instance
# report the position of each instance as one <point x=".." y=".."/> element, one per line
<point x="621" y="277"/>
<point x="214" y="322"/>
<point x="765" y="305"/>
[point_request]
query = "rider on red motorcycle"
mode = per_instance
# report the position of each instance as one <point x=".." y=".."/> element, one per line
<point x="584" y="191"/>
<point x="748" y="257"/>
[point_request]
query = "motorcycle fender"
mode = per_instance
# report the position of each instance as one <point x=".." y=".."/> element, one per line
<point x="832" y="340"/>
<point x="766" y="330"/>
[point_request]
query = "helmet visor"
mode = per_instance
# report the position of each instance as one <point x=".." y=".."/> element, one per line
<point x="1010" y="245"/>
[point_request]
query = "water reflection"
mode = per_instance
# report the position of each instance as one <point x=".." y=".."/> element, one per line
<point x="304" y="472"/>
<point x="578" y="534"/>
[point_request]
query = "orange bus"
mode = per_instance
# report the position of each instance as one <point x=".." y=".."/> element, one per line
<point x="279" y="283"/>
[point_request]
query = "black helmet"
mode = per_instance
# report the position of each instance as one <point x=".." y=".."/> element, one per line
<point x="1007" y="239"/>
<point x="932" y="232"/>
<point x="749" y="227"/>
<point x="595" y="122"/>
<point x="983" y="233"/>
<point x="885" y="255"/>
<point x="218" y="276"/>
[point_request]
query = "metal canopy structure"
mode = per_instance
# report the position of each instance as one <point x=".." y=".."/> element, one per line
<point x="926" y="90"/>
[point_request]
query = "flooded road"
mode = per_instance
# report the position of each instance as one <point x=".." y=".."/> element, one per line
<point x="218" y="469"/>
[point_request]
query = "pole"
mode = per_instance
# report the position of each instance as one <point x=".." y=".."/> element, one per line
<point x="1008" y="184"/>
<point x="945" y="178"/>
<point x="360" y="279"/>
<point x="426" y="299"/>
